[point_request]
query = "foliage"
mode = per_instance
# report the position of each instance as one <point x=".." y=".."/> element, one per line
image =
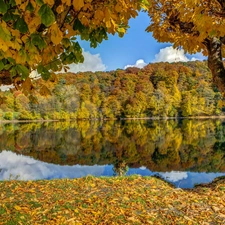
<point x="161" y="90"/>
<point x="89" y="200"/>
<point x="181" y="23"/>
<point x="43" y="35"/>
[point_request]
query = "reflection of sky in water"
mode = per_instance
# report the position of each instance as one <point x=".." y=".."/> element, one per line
<point x="26" y="168"/>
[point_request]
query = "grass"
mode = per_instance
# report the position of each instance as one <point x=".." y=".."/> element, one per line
<point x="126" y="200"/>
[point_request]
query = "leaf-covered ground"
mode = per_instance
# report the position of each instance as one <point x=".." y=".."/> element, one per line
<point x="121" y="200"/>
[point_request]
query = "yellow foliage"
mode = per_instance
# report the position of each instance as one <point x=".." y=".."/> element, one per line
<point x="36" y="27"/>
<point x="78" y="4"/>
<point x="56" y="34"/>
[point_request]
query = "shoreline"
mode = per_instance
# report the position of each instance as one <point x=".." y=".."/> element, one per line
<point x="115" y="119"/>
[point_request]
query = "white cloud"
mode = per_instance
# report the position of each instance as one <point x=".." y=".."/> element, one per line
<point x="140" y="63"/>
<point x="91" y="63"/>
<point x="6" y="87"/>
<point x="169" y="54"/>
<point x="174" y="176"/>
<point x="142" y="168"/>
<point x="26" y="168"/>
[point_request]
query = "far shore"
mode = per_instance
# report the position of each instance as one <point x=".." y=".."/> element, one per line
<point x="107" y="119"/>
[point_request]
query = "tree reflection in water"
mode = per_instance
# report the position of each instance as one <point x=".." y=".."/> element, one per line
<point x="187" y="145"/>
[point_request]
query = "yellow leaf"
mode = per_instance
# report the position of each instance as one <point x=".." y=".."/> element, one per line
<point x="50" y="2"/>
<point x="16" y="34"/>
<point x="78" y="4"/>
<point x="23" y="6"/>
<point x="84" y="20"/>
<point x="18" y="2"/>
<point x="108" y="24"/>
<point x="16" y="207"/>
<point x="3" y="46"/>
<point x="99" y="15"/>
<point x="27" y="86"/>
<point x="68" y="2"/>
<point x="33" y="24"/>
<point x="107" y="14"/>
<point x="133" y="219"/>
<point x="44" y="91"/>
<point x="70" y="31"/>
<point x="60" y="9"/>
<point x="118" y="7"/>
<point x="56" y="34"/>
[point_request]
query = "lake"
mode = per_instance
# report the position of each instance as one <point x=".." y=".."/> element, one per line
<point x="183" y="152"/>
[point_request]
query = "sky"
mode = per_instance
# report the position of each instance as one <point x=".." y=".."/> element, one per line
<point x="136" y="48"/>
<point x="14" y="166"/>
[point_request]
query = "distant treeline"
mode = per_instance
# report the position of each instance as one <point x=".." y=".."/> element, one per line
<point x="157" y="90"/>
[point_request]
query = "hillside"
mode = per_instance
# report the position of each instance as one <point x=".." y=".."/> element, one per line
<point x="160" y="89"/>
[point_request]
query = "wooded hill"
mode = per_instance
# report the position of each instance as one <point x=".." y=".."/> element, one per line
<point x="159" y="89"/>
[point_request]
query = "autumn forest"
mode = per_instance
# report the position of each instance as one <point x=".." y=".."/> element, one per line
<point x="158" y="90"/>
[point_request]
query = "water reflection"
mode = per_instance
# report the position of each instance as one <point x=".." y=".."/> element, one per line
<point x="175" y="150"/>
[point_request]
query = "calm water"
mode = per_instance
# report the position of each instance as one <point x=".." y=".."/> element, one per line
<point x="184" y="152"/>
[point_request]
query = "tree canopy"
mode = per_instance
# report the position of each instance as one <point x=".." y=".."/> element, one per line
<point x="42" y="34"/>
<point x="196" y="26"/>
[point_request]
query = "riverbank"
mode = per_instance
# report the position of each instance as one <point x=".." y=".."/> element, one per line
<point x="117" y="200"/>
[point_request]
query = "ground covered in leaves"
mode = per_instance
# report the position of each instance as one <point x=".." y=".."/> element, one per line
<point x="121" y="200"/>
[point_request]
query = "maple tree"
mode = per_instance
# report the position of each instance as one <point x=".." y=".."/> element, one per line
<point x="42" y="34"/>
<point x="196" y="26"/>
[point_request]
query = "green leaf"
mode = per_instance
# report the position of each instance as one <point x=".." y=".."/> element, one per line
<point x="23" y="55"/>
<point x="12" y="3"/>
<point x="21" y="25"/>
<point x="39" y="2"/>
<point x="13" y="71"/>
<point x="1" y="65"/>
<point x="3" y="7"/>
<point x="79" y="26"/>
<point x="10" y="15"/>
<point x="46" y="14"/>
<point x="23" y="71"/>
<point x="45" y="74"/>
<point x="7" y="66"/>
<point x="38" y="41"/>
<point x="5" y="34"/>
<point x="53" y="66"/>
<point x="11" y="60"/>
<point x="7" y="16"/>
<point x="212" y="33"/>
<point x="66" y="42"/>
<point x="76" y="47"/>
<point x="30" y="46"/>
<point x="30" y="7"/>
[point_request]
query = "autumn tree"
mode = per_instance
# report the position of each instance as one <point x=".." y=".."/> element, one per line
<point x="196" y="26"/>
<point x="42" y="34"/>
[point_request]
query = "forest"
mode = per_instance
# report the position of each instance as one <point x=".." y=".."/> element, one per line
<point x="183" y="89"/>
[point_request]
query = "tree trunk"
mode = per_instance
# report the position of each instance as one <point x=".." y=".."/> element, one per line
<point x="215" y="62"/>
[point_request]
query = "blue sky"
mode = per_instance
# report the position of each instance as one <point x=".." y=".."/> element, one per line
<point x="136" y="44"/>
